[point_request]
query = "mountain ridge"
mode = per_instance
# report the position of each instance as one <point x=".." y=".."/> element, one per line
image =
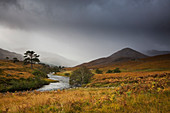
<point x="5" y="53"/>
<point x="156" y="52"/>
<point x="119" y="56"/>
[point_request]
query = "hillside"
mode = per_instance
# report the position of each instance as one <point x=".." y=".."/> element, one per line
<point x="19" y="77"/>
<point x="155" y="63"/>
<point x="10" y="55"/>
<point x="120" y="56"/>
<point x="156" y="52"/>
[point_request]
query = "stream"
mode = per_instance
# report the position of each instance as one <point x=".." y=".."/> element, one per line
<point x="62" y="84"/>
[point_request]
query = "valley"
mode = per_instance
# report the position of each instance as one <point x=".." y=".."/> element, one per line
<point x="141" y="85"/>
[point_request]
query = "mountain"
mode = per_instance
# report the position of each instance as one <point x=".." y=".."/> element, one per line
<point x="125" y="54"/>
<point x="156" y="52"/>
<point x="11" y="55"/>
<point x="55" y="59"/>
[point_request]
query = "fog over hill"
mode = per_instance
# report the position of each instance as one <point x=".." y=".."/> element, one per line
<point x="45" y="57"/>
<point x="55" y="59"/>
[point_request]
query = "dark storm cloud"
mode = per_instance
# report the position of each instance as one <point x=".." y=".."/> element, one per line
<point x="8" y="2"/>
<point x="96" y="14"/>
<point x="106" y="24"/>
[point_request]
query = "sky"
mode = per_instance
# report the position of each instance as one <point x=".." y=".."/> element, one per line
<point x="77" y="31"/>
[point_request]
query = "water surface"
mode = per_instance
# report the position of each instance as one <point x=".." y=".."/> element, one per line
<point x="62" y="84"/>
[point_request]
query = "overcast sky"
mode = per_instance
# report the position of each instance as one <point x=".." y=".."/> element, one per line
<point x="83" y="30"/>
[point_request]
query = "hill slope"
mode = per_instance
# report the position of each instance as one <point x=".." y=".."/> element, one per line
<point x="11" y="55"/>
<point x="156" y="52"/>
<point x="155" y="63"/>
<point x="120" y="56"/>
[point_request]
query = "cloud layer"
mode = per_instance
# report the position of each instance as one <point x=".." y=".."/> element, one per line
<point x="86" y="29"/>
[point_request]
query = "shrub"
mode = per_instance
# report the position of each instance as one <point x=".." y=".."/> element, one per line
<point x="38" y="73"/>
<point x="67" y="74"/>
<point x="117" y="70"/>
<point x="80" y="76"/>
<point x="99" y="71"/>
<point x="15" y="60"/>
<point x="22" y="84"/>
<point x="1" y="71"/>
<point x="109" y="71"/>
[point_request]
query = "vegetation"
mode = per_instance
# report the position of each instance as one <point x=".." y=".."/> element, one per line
<point x="117" y="70"/>
<point x="22" y="84"/>
<point x="15" y="60"/>
<point x="80" y="76"/>
<point x="64" y="73"/>
<point x="18" y="77"/>
<point x="109" y="71"/>
<point x="116" y="79"/>
<point x="98" y="71"/>
<point x="144" y="89"/>
<point x="7" y="58"/>
<point x="157" y="63"/>
<point x="145" y="92"/>
<point x="31" y="57"/>
<point x="67" y="74"/>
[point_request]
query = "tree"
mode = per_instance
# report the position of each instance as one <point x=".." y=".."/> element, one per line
<point x="31" y="57"/>
<point x="80" y="76"/>
<point x="55" y="69"/>
<point x="99" y="71"/>
<point x="109" y="71"/>
<point x="117" y="70"/>
<point x="15" y="60"/>
<point x="7" y="58"/>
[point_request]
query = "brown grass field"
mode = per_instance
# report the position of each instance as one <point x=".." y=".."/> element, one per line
<point x="133" y="92"/>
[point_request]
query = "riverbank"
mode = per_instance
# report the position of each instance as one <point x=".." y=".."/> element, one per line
<point x="19" y="77"/>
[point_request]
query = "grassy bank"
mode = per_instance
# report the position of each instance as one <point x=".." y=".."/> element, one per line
<point x="13" y="85"/>
<point x="19" y="77"/>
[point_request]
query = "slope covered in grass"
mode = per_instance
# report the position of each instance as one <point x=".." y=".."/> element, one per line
<point x="16" y="76"/>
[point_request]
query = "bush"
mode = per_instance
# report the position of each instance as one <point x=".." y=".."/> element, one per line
<point x="117" y="70"/>
<point x="22" y="84"/>
<point x="67" y="74"/>
<point x="109" y="71"/>
<point x="80" y="76"/>
<point x="39" y="74"/>
<point x="1" y="71"/>
<point x="99" y="71"/>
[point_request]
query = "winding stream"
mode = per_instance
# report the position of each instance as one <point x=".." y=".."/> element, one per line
<point x="62" y="84"/>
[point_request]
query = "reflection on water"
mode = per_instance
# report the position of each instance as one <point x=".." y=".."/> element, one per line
<point x="62" y="84"/>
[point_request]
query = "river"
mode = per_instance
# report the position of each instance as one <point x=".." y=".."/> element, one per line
<point x="62" y="84"/>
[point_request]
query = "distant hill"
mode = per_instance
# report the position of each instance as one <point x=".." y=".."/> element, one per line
<point x="55" y="59"/>
<point x="156" y="52"/>
<point x="11" y="55"/>
<point x="123" y="55"/>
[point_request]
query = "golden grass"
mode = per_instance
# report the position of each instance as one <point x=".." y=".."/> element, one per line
<point x="16" y="70"/>
<point x="110" y="80"/>
<point x="156" y="63"/>
<point x="50" y="80"/>
<point x="83" y="100"/>
<point x="144" y="92"/>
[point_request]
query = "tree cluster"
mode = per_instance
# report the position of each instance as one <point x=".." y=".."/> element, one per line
<point x="99" y="71"/>
<point x="80" y="76"/>
<point x="117" y="70"/>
